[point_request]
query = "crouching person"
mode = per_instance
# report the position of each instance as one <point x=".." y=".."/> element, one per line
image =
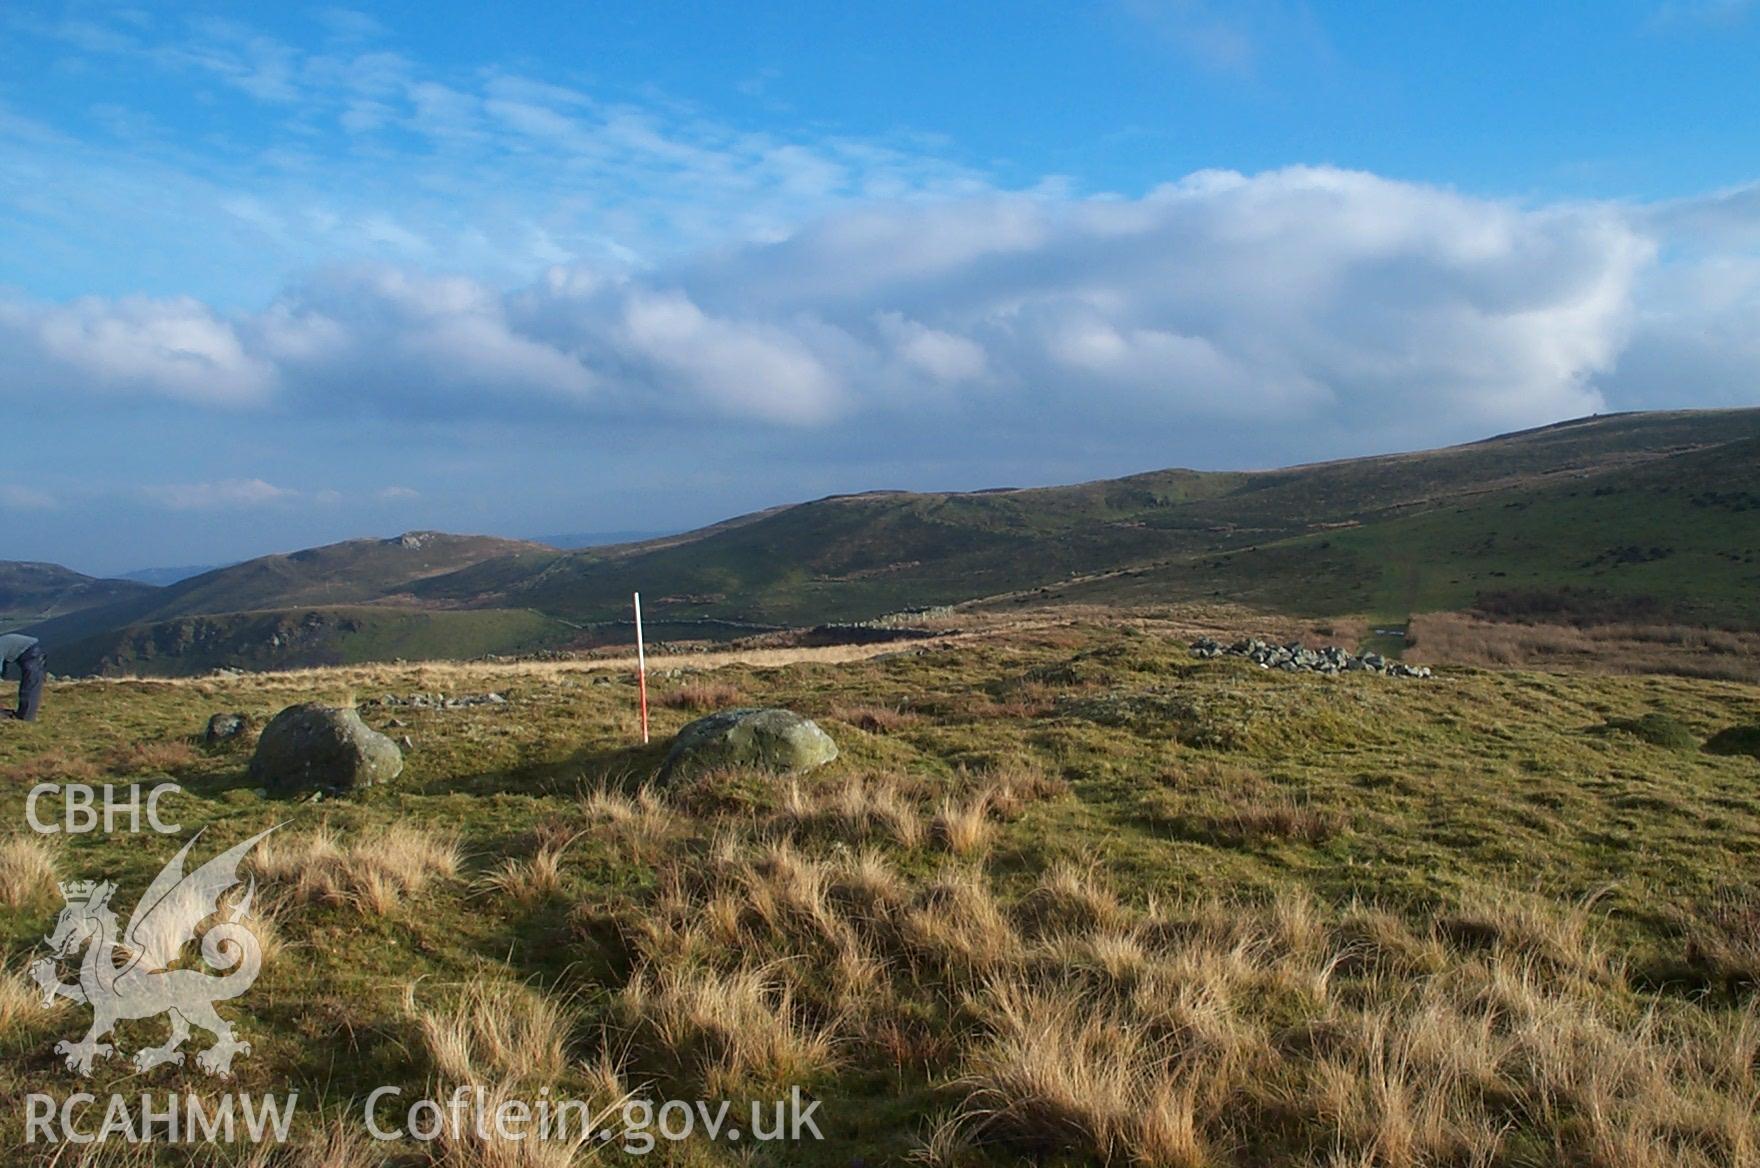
<point x="23" y="657"/>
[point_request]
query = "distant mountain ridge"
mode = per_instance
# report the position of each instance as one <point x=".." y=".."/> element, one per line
<point x="360" y="571"/>
<point x="575" y="540"/>
<point x="34" y="592"/>
<point x="163" y="577"/>
<point x="1657" y="508"/>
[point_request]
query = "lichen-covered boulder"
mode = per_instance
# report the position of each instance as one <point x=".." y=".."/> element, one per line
<point x="768" y="739"/>
<point x="314" y="747"/>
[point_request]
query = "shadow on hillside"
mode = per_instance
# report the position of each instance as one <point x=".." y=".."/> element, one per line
<point x="626" y="769"/>
<point x="1735" y="740"/>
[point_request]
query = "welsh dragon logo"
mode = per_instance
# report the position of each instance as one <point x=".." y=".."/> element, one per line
<point x="130" y="976"/>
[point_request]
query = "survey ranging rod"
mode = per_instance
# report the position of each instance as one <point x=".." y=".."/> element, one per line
<point x="641" y="669"/>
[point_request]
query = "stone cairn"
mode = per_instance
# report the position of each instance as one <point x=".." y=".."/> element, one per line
<point x="1296" y="658"/>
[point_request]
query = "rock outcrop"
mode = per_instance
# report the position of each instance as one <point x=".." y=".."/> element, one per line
<point x="322" y="748"/>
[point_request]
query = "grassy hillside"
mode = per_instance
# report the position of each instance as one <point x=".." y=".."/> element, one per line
<point x="1652" y="510"/>
<point x="1387" y="535"/>
<point x="31" y="593"/>
<point x="1676" y="537"/>
<point x="351" y="572"/>
<point x="304" y="637"/>
<point x="1068" y="898"/>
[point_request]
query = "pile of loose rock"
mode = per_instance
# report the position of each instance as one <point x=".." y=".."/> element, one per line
<point x="1297" y="658"/>
<point x="435" y="701"/>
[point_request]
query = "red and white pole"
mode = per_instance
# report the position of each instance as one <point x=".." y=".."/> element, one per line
<point x="641" y="669"/>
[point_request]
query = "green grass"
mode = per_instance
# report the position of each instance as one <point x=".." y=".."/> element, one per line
<point x="1185" y="781"/>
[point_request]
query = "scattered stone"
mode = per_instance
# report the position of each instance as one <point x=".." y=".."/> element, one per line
<point x="435" y="701"/>
<point x="321" y="748"/>
<point x="225" y="727"/>
<point x="406" y="743"/>
<point x="773" y="739"/>
<point x="1297" y="658"/>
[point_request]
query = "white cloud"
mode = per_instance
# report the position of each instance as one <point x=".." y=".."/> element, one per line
<point x="14" y="498"/>
<point x="942" y="356"/>
<point x="225" y="494"/>
<point x="367" y="155"/>
<point x="397" y="494"/>
<point x="1297" y="297"/>
<point x="175" y="348"/>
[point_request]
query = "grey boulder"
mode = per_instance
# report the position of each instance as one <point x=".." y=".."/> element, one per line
<point x="768" y="739"/>
<point x="314" y="747"/>
<point x="224" y="728"/>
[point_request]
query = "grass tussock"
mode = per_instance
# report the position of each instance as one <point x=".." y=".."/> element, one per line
<point x="1242" y="818"/>
<point x="702" y="696"/>
<point x="738" y="1030"/>
<point x="530" y="881"/>
<point x="1010" y="788"/>
<point x="856" y="808"/>
<point x="876" y="719"/>
<point x="492" y="1031"/>
<point x="21" y="1002"/>
<point x="1721" y="942"/>
<point x="642" y="825"/>
<point x="372" y="872"/>
<point x="963" y="827"/>
<point x="27" y="871"/>
<point x="1655" y="728"/>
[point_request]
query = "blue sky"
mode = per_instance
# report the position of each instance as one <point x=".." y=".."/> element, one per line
<point x="276" y="277"/>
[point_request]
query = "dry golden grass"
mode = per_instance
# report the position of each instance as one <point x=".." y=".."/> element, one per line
<point x="702" y="696"/>
<point x="57" y="765"/>
<point x="1452" y="638"/>
<point x="740" y="1030"/>
<point x="479" y="1146"/>
<point x="855" y="808"/>
<point x="149" y="758"/>
<point x="21" y="1002"/>
<point x="373" y="872"/>
<point x="529" y="881"/>
<point x="1058" y="1073"/>
<point x="1722" y="941"/>
<point x="1012" y="787"/>
<point x="963" y="827"/>
<point x="1180" y="1034"/>
<point x="1070" y="899"/>
<point x="27" y="871"/>
<point x="876" y="719"/>
<point x="643" y="825"/>
<point x="956" y="924"/>
<point x="493" y="1031"/>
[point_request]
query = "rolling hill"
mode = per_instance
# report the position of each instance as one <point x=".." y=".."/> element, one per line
<point x="1575" y="496"/>
<point x="1656" y="512"/>
<point x="31" y="593"/>
<point x="253" y="612"/>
